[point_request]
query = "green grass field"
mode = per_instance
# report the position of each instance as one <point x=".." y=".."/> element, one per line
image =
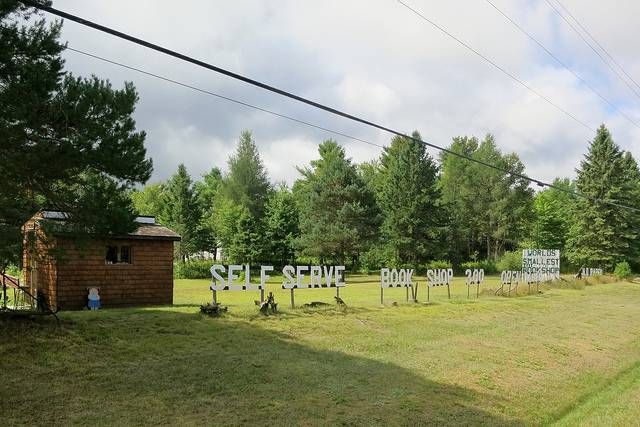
<point x="569" y="356"/>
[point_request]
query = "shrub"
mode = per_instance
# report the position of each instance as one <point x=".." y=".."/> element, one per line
<point x="13" y="270"/>
<point x="212" y="309"/>
<point x="374" y="259"/>
<point x="435" y="264"/>
<point x="622" y="270"/>
<point x="488" y="266"/>
<point x="510" y="261"/>
<point x="194" y="269"/>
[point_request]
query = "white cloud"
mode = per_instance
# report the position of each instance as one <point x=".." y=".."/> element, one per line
<point x="374" y="59"/>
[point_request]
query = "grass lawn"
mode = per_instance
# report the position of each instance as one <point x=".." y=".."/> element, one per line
<point x="566" y="356"/>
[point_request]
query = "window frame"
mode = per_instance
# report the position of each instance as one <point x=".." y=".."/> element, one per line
<point x="118" y="254"/>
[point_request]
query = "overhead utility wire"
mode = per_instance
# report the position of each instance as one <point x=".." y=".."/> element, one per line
<point x="290" y="95"/>
<point x="616" y="72"/>
<point x="226" y="98"/>
<point x="496" y="66"/>
<point x="596" y="42"/>
<point x="561" y="63"/>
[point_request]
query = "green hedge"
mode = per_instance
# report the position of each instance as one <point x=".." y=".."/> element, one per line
<point x="622" y="270"/>
<point x="488" y="266"/>
<point x="194" y="269"/>
<point x="510" y="261"/>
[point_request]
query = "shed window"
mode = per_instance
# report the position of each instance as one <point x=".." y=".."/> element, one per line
<point x="118" y="255"/>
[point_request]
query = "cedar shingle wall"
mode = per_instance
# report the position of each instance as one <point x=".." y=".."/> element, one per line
<point x="147" y="281"/>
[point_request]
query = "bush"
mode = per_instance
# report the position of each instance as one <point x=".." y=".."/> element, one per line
<point x="488" y="266"/>
<point x="622" y="270"/>
<point x="510" y="261"/>
<point x="435" y="264"/>
<point x="14" y="271"/>
<point x="374" y="259"/>
<point x="194" y="269"/>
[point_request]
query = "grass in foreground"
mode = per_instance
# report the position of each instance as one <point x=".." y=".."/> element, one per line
<point x="568" y="355"/>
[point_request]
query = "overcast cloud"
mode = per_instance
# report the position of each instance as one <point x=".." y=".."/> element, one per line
<point x="374" y="59"/>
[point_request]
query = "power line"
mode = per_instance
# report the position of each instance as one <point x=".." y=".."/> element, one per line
<point x="226" y="98"/>
<point x="290" y="95"/>
<point x="561" y="63"/>
<point x="496" y="66"/>
<point x="616" y="72"/>
<point x="596" y="42"/>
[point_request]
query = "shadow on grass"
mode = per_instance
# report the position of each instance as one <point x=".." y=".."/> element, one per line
<point x="166" y="367"/>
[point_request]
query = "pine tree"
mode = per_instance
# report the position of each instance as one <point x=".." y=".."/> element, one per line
<point x="181" y="211"/>
<point x="338" y="213"/>
<point x="207" y="193"/>
<point x="601" y="233"/>
<point x="244" y="192"/>
<point x="409" y="200"/>
<point x="247" y="183"/>
<point x="65" y="142"/>
<point x="281" y="226"/>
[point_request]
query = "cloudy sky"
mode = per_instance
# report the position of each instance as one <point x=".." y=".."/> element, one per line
<point x="375" y="59"/>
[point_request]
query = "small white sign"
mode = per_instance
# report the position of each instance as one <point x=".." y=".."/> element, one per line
<point x="590" y="272"/>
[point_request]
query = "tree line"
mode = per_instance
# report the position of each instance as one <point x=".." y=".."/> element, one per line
<point x="404" y="208"/>
<point x="71" y="144"/>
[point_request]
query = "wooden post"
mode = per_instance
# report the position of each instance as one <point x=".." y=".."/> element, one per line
<point x="428" y="293"/>
<point x="262" y="295"/>
<point x="337" y="291"/>
<point x="292" y="301"/>
<point x="215" y="297"/>
<point x="381" y="295"/>
<point x="407" y="289"/>
<point x="478" y="291"/>
<point x="468" y="290"/>
<point x="448" y="291"/>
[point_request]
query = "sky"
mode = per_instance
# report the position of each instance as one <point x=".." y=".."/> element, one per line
<point x="374" y="59"/>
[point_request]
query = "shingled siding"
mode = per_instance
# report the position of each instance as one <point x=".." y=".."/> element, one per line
<point x="148" y="280"/>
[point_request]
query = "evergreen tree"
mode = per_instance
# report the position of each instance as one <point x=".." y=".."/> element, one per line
<point x="409" y="199"/>
<point x="602" y="234"/>
<point x="338" y="213"/>
<point x="66" y="143"/>
<point x="632" y="199"/>
<point x="281" y="226"/>
<point x="181" y="211"/>
<point x="247" y="183"/>
<point x="489" y="210"/>
<point x="207" y="193"/>
<point x="244" y="192"/>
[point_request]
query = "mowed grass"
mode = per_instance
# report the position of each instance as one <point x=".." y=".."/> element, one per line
<point x="566" y="355"/>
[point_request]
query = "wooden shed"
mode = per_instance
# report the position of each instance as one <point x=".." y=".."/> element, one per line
<point x="131" y="270"/>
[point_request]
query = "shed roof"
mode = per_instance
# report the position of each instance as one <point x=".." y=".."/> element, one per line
<point x="154" y="231"/>
<point x="147" y="227"/>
